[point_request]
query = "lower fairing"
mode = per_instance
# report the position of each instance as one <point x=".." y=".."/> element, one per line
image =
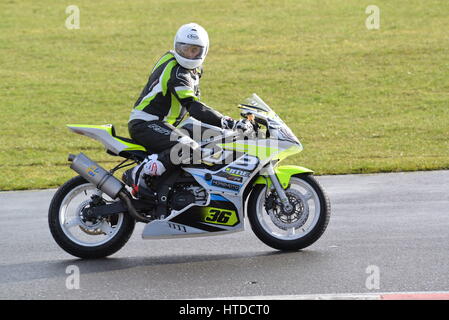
<point x="218" y="216"/>
<point x="162" y="229"/>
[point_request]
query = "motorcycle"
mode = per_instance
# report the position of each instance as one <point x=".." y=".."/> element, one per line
<point x="94" y="214"/>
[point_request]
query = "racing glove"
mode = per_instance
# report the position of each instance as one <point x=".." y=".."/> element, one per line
<point x="242" y="125"/>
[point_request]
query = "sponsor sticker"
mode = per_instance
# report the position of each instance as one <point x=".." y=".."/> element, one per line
<point x="92" y="170"/>
<point x="238" y="172"/>
<point x="220" y="216"/>
<point x="226" y="185"/>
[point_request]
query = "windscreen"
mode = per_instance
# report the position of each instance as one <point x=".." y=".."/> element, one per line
<point x="277" y="128"/>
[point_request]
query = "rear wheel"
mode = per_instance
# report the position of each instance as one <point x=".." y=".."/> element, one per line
<point x="292" y="230"/>
<point x="78" y="235"/>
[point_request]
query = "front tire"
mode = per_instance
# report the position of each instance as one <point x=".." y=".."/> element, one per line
<point x="290" y="231"/>
<point x="80" y="237"/>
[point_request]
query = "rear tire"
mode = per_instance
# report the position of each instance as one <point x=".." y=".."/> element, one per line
<point x="275" y="231"/>
<point x="118" y="229"/>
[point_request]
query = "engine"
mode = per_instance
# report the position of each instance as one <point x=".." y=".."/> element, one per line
<point x="184" y="195"/>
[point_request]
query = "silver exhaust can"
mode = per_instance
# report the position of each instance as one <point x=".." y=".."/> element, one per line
<point x="95" y="174"/>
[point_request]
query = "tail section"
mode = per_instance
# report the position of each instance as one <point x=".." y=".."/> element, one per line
<point x="106" y="135"/>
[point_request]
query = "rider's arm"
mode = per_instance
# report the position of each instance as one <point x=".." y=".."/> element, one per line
<point x="181" y="85"/>
<point x="197" y="109"/>
<point x="203" y="113"/>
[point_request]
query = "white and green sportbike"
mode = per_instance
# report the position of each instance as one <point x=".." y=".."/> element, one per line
<point x="93" y="215"/>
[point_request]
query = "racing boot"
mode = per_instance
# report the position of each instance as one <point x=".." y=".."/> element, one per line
<point x="139" y="177"/>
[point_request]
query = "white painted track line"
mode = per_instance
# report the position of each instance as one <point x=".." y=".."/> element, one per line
<point x="441" y="295"/>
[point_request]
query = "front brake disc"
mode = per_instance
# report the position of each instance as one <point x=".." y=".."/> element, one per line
<point x="294" y="219"/>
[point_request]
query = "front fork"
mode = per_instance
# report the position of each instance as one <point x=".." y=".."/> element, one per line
<point x="278" y="188"/>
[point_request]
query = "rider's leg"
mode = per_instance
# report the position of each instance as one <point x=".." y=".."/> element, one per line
<point x="161" y="138"/>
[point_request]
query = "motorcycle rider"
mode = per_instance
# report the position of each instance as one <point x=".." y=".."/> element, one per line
<point x="173" y="90"/>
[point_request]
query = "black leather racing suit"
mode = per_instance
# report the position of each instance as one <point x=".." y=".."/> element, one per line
<point x="170" y="93"/>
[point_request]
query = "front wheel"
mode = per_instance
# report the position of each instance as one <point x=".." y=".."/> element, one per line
<point x="298" y="228"/>
<point x="78" y="235"/>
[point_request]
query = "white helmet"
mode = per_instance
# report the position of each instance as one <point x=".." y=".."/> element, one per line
<point x="191" y="45"/>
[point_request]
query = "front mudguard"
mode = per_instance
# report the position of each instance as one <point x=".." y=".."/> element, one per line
<point x="284" y="174"/>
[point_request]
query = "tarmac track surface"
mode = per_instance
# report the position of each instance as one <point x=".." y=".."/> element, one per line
<point x="388" y="233"/>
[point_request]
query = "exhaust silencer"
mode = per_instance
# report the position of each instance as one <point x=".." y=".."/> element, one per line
<point x="95" y="174"/>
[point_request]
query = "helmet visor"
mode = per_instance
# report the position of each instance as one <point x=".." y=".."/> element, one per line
<point x="189" y="51"/>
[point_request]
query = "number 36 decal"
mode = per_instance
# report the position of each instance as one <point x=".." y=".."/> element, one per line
<point x="220" y="216"/>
